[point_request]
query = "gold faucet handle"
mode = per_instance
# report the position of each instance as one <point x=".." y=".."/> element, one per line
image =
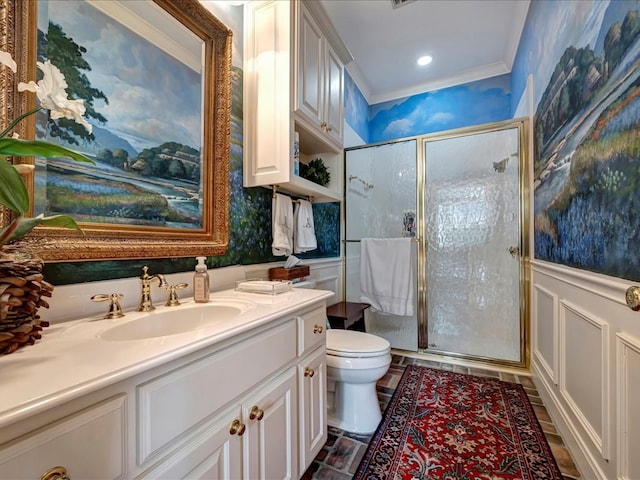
<point x="145" y="272"/>
<point x="115" y="311"/>
<point x="172" y="301"/>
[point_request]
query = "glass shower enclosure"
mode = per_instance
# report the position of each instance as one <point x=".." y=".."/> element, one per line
<point x="463" y="196"/>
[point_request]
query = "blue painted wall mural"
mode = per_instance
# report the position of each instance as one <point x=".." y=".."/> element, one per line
<point x="585" y="59"/>
<point x="474" y="103"/>
<point x="356" y="108"/>
<point x="250" y="209"/>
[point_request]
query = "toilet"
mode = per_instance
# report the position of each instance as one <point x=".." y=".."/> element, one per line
<point x="355" y="362"/>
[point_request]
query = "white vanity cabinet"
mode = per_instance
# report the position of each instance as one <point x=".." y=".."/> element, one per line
<point x="255" y="439"/>
<point x="172" y="404"/>
<point x="241" y="408"/>
<point x="293" y="82"/>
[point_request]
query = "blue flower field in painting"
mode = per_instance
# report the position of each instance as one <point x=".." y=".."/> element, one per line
<point x="587" y="173"/>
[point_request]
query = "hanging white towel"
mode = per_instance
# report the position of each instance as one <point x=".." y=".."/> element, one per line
<point x="387" y="280"/>
<point x="282" y="225"/>
<point x="304" y="235"/>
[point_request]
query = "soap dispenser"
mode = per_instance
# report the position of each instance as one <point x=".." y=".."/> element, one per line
<point x="201" y="282"/>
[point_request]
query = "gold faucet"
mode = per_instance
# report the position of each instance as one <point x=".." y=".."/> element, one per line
<point x="146" y="305"/>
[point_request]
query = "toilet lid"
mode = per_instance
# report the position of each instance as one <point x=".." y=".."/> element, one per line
<point x="349" y="343"/>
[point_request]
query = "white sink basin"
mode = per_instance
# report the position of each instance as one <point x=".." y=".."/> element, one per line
<point x="176" y="320"/>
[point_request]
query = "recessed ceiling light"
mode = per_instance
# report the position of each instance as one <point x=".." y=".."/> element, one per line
<point x="425" y="60"/>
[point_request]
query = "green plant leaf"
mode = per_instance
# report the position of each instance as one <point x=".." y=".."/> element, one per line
<point x="25" y="225"/>
<point x="36" y="148"/>
<point x="13" y="193"/>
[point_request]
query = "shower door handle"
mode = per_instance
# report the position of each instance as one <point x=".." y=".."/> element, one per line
<point x="514" y="251"/>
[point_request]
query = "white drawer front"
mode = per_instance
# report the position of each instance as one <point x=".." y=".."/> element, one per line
<point x="171" y="404"/>
<point x="312" y="326"/>
<point x="89" y="445"/>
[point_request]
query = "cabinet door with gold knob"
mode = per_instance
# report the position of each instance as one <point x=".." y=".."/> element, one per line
<point x="313" y="406"/>
<point x="272" y="423"/>
<point x="215" y="452"/>
<point x="89" y="444"/>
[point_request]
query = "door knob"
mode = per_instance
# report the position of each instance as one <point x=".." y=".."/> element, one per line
<point x="514" y="251"/>
<point x="633" y="298"/>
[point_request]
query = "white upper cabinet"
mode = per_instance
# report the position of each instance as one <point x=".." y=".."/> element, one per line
<point x="334" y="94"/>
<point x="293" y="85"/>
<point x="320" y="80"/>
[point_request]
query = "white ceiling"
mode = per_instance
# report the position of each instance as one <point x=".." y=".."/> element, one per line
<point x="468" y="39"/>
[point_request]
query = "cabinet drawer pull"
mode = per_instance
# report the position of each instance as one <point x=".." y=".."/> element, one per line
<point x="237" y="428"/>
<point x="317" y="329"/>
<point x="308" y="372"/>
<point x="256" y="413"/>
<point x="55" y="473"/>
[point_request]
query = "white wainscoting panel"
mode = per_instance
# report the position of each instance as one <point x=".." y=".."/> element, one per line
<point x="594" y="399"/>
<point x="545" y="330"/>
<point x="628" y="422"/>
<point x="584" y="367"/>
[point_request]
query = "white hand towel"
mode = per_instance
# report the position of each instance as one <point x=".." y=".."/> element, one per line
<point x="282" y="225"/>
<point x="304" y="233"/>
<point x="387" y="274"/>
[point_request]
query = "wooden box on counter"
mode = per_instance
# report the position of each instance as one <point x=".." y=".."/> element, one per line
<point x="281" y="273"/>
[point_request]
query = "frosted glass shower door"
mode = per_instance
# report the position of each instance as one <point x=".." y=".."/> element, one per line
<point x="473" y="239"/>
<point x="380" y="202"/>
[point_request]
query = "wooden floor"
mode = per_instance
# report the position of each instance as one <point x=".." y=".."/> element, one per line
<point x="341" y="454"/>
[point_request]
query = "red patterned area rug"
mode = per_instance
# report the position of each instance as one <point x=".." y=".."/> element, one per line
<point x="445" y="425"/>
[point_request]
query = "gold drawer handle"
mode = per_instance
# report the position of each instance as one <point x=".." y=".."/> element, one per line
<point x="308" y="372"/>
<point x="55" y="473"/>
<point x="237" y="428"/>
<point x="256" y="413"/>
<point x="317" y="329"/>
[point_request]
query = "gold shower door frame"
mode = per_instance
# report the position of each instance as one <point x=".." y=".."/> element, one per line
<point x="522" y="126"/>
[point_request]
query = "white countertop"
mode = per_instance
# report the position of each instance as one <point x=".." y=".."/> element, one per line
<point x="72" y="359"/>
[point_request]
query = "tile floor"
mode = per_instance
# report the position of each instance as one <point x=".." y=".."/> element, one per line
<point x="341" y="454"/>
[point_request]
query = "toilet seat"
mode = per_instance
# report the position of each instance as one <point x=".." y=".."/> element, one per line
<point x="353" y="344"/>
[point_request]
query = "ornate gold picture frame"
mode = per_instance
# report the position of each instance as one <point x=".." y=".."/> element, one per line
<point x="104" y="240"/>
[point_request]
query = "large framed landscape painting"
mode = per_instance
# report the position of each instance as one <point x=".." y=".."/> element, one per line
<point x="587" y="142"/>
<point x="155" y="80"/>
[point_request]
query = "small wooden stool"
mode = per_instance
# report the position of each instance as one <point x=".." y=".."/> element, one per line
<point x="347" y="315"/>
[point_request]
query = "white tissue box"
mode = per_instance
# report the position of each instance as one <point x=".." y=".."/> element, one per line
<point x="270" y="287"/>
